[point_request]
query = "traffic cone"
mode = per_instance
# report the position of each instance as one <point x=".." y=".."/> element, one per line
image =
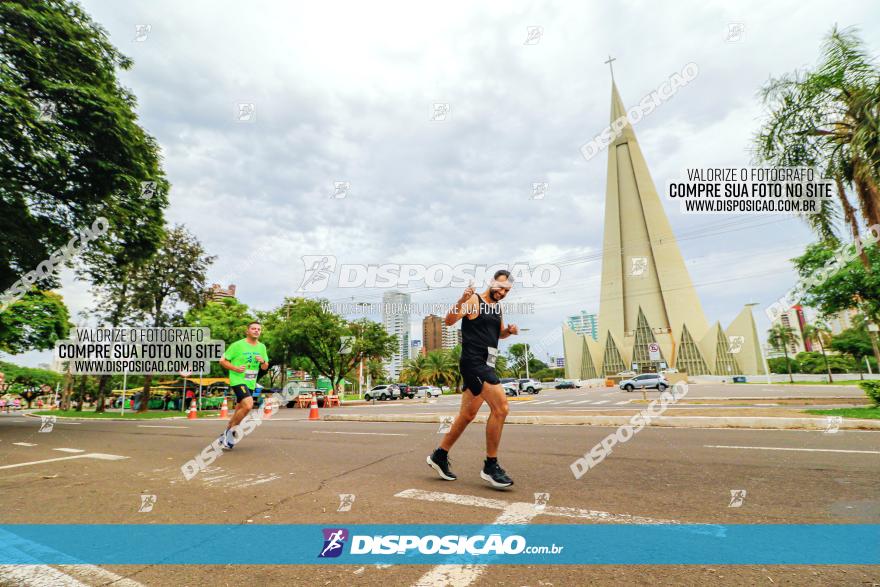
<point x="192" y="415"/>
<point x="267" y="408"/>
<point x="313" y="409"/>
<point x="224" y="410"/>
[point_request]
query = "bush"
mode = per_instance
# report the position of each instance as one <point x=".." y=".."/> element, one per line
<point x="872" y="390"/>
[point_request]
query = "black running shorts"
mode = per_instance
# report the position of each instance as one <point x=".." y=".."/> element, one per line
<point x="242" y="391"/>
<point x="474" y="375"/>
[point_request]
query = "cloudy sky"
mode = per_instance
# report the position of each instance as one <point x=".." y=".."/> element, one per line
<point x="344" y="91"/>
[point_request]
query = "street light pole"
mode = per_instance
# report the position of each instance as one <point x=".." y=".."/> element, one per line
<point x="527" y="352"/>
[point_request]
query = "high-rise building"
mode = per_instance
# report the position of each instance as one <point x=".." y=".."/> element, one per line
<point x="451" y="336"/>
<point x="395" y="319"/>
<point x="584" y="323"/>
<point x="217" y="293"/>
<point x="841" y="321"/>
<point x="649" y="312"/>
<point x="794" y="319"/>
<point x="432" y="333"/>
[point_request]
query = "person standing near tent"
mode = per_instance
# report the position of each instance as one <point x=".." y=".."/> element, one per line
<point x="244" y="358"/>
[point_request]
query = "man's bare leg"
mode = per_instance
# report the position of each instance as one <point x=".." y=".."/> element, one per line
<point x="241" y="411"/>
<point x="470" y="405"/>
<point x="493" y="393"/>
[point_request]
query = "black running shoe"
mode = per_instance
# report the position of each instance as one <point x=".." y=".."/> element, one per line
<point x="439" y="461"/>
<point x="494" y="474"/>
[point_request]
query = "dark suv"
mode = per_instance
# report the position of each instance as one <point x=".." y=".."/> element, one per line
<point x="406" y="391"/>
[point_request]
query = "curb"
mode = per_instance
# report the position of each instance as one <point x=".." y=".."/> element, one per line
<point x="113" y="419"/>
<point x="755" y="422"/>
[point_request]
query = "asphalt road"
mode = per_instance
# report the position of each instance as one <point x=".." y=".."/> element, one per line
<point x="291" y="470"/>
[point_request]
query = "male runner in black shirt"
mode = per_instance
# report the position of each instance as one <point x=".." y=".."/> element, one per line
<point x="480" y="330"/>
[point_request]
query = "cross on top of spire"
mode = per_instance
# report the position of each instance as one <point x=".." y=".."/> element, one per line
<point x="611" y="65"/>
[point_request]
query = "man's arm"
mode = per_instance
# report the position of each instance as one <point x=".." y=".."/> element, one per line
<point x="224" y="362"/>
<point x="461" y="308"/>
<point x="509" y="330"/>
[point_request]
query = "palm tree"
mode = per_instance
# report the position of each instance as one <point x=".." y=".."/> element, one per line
<point x="827" y="119"/>
<point x="414" y="370"/>
<point x="821" y="333"/>
<point x="440" y="369"/>
<point x="780" y="336"/>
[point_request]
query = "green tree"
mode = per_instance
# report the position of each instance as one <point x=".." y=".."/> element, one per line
<point x="174" y="276"/>
<point x="854" y="342"/>
<point x="780" y="365"/>
<point x="826" y="118"/>
<point x="35" y="321"/>
<point x="305" y="328"/>
<point x="71" y="148"/>
<point x="850" y="286"/>
<point x="21" y="378"/>
<point x="228" y="319"/>
<point x="440" y="368"/>
<point x="414" y="370"/>
<point x="780" y="337"/>
<point x="820" y="333"/>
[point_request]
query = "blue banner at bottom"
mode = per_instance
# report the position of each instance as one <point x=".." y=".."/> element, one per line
<point x="565" y="544"/>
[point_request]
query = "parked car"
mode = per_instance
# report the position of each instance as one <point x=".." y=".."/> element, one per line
<point x="644" y="381"/>
<point x="430" y="390"/>
<point x="565" y="385"/>
<point x="530" y="385"/>
<point x="383" y="392"/>
<point x="406" y="391"/>
<point x="510" y="388"/>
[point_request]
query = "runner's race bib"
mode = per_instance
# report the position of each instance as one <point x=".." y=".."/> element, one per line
<point x="493" y="354"/>
<point x="250" y="375"/>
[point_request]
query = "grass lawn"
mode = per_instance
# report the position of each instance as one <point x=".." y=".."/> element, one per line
<point x="796" y="382"/>
<point x="151" y="415"/>
<point x="871" y="412"/>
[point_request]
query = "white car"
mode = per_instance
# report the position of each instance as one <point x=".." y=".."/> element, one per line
<point x="530" y="386"/>
<point x="383" y="392"/>
<point x="430" y="390"/>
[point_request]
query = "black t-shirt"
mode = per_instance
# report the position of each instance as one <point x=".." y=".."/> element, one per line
<point x="480" y="334"/>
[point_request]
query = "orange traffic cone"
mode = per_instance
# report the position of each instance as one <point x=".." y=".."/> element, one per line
<point x="224" y="410"/>
<point x="267" y="408"/>
<point x="313" y="409"/>
<point x="192" y="415"/>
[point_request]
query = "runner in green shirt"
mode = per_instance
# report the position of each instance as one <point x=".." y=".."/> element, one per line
<point x="244" y="358"/>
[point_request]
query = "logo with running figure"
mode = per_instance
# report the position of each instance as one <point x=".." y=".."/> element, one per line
<point x="318" y="269"/>
<point x="334" y="542"/>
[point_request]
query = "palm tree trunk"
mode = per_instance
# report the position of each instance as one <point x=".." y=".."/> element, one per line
<point x="849" y="215"/>
<point x="824" y="356"/>
<point x="787" y="363"/>
<point x="869" y="194"/>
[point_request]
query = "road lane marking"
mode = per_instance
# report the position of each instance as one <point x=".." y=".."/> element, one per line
<point x="92" y="455"/>
<point x="103" y="576"/>
<point x="499" y="504"/>
<point x="586" y="401"/>
<point x="511" y="513"/>
<point x="36" y="576"/>
<point x="623" y="403"/>
<point x="363" y="433"/>
<point x="604" y="401"/>
<point x="23" y="444"/>
<point x="864" y="452"/>
<point x="74" y="450"/>
<point x="546" y="401"/>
